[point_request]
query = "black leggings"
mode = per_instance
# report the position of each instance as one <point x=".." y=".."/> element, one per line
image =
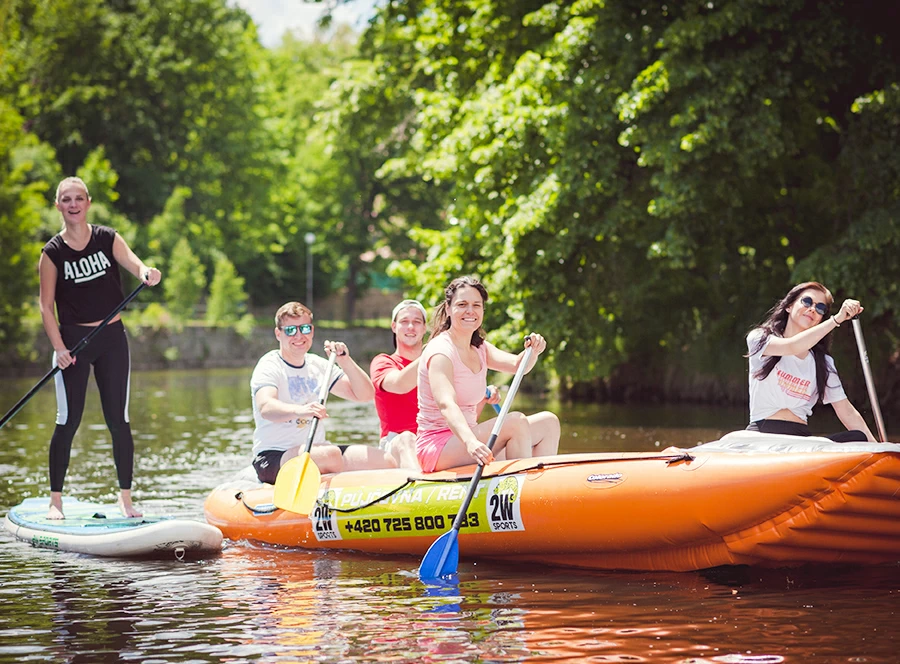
<point x="108" y="353"/>
<point x="797" y="429"/>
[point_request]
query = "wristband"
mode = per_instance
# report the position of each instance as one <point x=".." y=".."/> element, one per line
<point x="835" y="321"/>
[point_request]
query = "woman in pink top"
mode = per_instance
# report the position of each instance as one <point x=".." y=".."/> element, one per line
<point x="451" y="382"/>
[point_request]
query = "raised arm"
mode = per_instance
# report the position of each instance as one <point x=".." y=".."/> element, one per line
<point x="803" y="341"/>
<point x="355" y="384"/>
<point x="500" y="360"/>
<point x="126" y="258"/>
<point x="401" y="381"/>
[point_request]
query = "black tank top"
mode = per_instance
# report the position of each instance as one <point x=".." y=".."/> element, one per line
<point x="88" y="284"/>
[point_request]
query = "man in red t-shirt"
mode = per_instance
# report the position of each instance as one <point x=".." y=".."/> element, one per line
<point x="394" y="377"/>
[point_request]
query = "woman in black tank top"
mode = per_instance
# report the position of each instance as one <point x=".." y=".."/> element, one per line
<point x="79" y="270"/>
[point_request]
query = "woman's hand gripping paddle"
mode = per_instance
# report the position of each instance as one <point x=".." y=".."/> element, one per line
<point x="80" y="346"/>
<point x="442" y="557"/>
<point x="297" y="483"/>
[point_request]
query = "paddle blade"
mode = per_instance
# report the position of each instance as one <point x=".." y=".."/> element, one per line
<point x="297" y="485"/>
<point x="442" y="557"/>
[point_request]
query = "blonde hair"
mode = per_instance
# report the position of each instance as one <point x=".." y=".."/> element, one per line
<point x="72" y="180"/>
<point x="294" y="309"/>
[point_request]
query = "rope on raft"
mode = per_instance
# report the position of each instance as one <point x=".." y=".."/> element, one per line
<point x="670" y="459"/>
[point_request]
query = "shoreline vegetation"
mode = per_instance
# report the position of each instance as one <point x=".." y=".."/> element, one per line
<point x="160" y="341"/>
<point x="195" y="345"/>
<point x="638" y="185"/>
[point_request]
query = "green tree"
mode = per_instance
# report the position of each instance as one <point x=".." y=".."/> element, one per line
<point x="185" y="280"/>
<point x="226" y="303"/>
<point x="20" y="218"/>
<point x="176" y="91"/>
<point x="365" y="214"/>
<point x="170" y="226"/>
<point x="641" y="182"/>
<point x="302" y="72"/>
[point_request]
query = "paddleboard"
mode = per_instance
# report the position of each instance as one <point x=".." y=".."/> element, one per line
<point x="101" y="530"/>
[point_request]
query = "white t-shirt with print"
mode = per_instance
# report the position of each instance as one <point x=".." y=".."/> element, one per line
<point x="296" y="385"/>
<point x="791" y="384"/>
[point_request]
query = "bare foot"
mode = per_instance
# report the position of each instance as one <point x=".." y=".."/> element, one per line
<point x="127" y="509"/>
<point x="56" y="509"/>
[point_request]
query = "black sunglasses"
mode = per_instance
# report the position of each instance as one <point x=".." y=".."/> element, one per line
<point x="821" y="307"/>
<point x="292" y="330"/>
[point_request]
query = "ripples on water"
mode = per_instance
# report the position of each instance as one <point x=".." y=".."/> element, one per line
<point x="261" y="604"/>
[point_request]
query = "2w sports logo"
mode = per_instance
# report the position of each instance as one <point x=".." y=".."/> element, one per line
<point x="504" y="503"/>
<point x="324" y="519"/>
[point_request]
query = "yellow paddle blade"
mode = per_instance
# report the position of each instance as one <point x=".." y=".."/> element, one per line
<point x="297" y="485"/>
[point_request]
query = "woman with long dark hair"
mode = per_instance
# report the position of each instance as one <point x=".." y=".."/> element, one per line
<point x="791" y="369"/>
<point x="451" y="384"/>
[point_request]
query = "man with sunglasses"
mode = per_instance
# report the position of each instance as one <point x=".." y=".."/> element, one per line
<point x="285" y="389"/>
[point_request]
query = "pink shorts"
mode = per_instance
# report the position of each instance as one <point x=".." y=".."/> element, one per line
<point x="429" y="446"/>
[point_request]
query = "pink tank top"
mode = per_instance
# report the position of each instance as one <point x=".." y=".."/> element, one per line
<point x="469" y="385"/>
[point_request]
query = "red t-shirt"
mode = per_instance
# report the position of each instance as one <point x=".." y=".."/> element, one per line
<point x="397" y="412"/>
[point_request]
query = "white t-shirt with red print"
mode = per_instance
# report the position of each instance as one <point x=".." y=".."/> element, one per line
<point x="791" y="384"/>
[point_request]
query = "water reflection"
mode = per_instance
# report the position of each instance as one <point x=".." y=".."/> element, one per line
<point x="270" y="605"/>
<point x="329" y="608"/>
<point x="263" y="604"/>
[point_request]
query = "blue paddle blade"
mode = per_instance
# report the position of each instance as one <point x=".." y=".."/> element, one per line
<point x="442" y="557"/>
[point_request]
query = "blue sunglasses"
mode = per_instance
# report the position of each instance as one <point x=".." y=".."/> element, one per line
<point x="821" y="307"/>
<point x="291" y="330"/>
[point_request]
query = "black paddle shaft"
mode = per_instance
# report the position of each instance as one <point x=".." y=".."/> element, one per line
<point x="80" y="346"/>
<point x="473" y="486"/>
<point x="323" y="397"/>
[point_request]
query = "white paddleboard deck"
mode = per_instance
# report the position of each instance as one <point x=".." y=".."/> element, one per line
<point x="100" y="530"/>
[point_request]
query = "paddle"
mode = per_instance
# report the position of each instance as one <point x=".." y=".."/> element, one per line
<point x="442" y="556"/>
<point x="80" y="346"/>
<point x="867" y="372"/>
<point x="297" y="483"/>
<point x="487" y="395"/>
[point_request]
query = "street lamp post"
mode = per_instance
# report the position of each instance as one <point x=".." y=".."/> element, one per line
<point x="309" y="238"/>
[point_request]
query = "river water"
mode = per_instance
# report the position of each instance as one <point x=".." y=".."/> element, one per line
<point x="262" y="604"/>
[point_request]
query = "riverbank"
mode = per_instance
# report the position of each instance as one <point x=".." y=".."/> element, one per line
<point x="202" y="347"/>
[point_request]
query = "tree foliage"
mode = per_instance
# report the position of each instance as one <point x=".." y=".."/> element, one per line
<point x="227" y="298"/>
<point x="177" y="93"/>
<point x="21" y="201"/>
<point x="185" y="282"/>
<point x="641" y="181"/>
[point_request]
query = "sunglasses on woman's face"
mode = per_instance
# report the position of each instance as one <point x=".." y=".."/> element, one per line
<point x="291" y="330"/>
<point x="821" y="307"/>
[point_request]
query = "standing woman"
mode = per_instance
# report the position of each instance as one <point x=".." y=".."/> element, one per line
<point x="452" y="379"/>
<point x="791" y="368"/>
<point x="79" y="271"/>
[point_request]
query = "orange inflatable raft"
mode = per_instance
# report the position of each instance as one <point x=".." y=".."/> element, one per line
<point x="746" y="499"/>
